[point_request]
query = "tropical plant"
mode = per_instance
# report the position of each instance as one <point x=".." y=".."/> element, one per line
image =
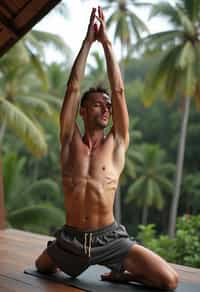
<point x="127" y="24"/>
<point x="191" y="196"/>
<point x="22" y="104"/>
<point x="20" y="108"/>
<point x="152" y="179"/>
<point x="30" y="205"/>
<point x="133" y="154"/>
<point x="184" y="249"/>
<point x="177" y="73"/>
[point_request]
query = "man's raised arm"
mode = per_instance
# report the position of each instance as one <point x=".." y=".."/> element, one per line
<point x="72" y="97"/>
<point x="119" y="106"/>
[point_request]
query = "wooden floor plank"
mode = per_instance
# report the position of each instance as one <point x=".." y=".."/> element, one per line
<point x="19" y="249"/>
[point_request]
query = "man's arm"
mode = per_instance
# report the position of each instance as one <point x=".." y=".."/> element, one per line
<point x="71" y="101"/>
<point x="119" y="106"/>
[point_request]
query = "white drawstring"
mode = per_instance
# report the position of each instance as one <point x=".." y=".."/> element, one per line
<point x="87" y="249"/>
<point x="90" y="245"/>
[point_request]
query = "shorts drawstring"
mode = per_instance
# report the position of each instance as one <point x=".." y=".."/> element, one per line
<point x="88" y="244"/>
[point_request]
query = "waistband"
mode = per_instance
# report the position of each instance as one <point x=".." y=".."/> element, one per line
<point x="76" y="231"/>
<point x="87" y="235"/>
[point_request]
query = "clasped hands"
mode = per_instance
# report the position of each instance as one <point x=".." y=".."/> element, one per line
<point x="97" y="31"/>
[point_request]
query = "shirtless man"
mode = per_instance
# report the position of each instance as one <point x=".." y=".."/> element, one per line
<point x="91" y="167"/>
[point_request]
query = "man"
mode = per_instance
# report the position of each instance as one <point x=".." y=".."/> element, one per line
<point x="91" y="167"/>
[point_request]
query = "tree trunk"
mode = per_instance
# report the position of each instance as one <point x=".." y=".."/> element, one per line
<point x="179" y="168"/>
<point x="144" y="215"/>
<point x="2" y="210"/>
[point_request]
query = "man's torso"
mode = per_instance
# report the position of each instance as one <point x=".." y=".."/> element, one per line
<point x="90" y="179"/>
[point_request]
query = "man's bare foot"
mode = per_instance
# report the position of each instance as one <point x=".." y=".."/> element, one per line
<point x="120" y="277"/>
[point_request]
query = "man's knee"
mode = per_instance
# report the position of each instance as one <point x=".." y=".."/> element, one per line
<point x="170" y="280"/>
<point x="44" y="263"/>
<point x="38" y="264"/>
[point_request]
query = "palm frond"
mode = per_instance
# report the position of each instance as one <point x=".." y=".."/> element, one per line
<point x="187" y="55"/>
<point x="112" y="19"/>
<point x="150" y="192"/>
<point x="43" y="188"/>
<point x="12" y="168"/>
<point x="192" y="9"/>
<point x="137" y="24"/>
<point x="39" y="67"/>
<point x="166" y="75"/>
<point x="17" y="52"/>
<point x="23" y="127"/>
<point x="37" y="105"/>
<point x="38" y="215"/>
<point x="160" y="39"/>
<point x="135" y="189"/>
<point x="166" y="184"/>
<point x="167" y="168"/>
<point x="54" y="40"/>
<point x="154" y="196"/>
<point x="165" y="9"/>
<point x="51" y="100"/>
<point x="186" y="23"/>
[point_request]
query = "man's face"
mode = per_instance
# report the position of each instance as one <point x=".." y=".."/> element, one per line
<point x="97" y="110"/>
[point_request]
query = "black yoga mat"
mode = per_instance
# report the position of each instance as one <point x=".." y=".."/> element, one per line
<point x="90" y="280"/>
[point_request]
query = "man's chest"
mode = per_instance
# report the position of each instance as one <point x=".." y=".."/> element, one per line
<point x="78" y="159"/>
<point x="82" y="161"/>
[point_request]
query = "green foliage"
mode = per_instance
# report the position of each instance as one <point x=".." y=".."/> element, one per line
<point x="23" y="127"/>
<point x="38" y="216"/>
<point x="184" y="249"/>
<point x="31" y="204"/>
<point x="152" y="178"/>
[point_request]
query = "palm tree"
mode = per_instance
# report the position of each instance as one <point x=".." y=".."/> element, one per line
<point x="20" y="107"/>
<point x="178" y="70"/>
<point x="152" y="179"/>
<point x="128" y="26"/>
<point x="133" y="154"/>
<point x="27" y="201"/>
<point x="23" y="103"/>
<point x="29" y="49"/>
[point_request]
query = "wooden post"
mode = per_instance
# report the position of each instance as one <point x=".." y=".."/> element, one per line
<point x="2" y="209"/>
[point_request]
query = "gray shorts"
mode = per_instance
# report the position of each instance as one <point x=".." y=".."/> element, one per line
<point x="74" y="250"/>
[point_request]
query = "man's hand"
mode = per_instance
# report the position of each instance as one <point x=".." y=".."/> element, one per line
<point x="101" y="34"/>
<point x="91" y="32"/>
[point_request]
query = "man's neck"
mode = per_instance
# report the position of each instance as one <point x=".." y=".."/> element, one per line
<point x="93" y="139"/>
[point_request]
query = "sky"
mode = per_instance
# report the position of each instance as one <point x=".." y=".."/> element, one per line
<point x="73" y="28"/>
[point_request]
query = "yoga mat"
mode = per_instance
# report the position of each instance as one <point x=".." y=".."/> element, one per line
<point x="90" y="280"/>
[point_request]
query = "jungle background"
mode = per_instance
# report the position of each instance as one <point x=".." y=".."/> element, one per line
<point x="159" y="188"/>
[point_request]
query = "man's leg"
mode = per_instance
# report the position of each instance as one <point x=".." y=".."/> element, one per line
<point x="45" y="264"/>
<point x="144" y="266"/>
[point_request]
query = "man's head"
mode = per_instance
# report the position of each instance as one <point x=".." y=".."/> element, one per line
<point x="96" y="107"/>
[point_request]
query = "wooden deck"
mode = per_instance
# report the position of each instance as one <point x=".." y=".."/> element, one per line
<point x="18" y="251"/>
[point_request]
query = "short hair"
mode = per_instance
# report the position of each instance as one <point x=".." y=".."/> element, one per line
<point x="86" y="94"/>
